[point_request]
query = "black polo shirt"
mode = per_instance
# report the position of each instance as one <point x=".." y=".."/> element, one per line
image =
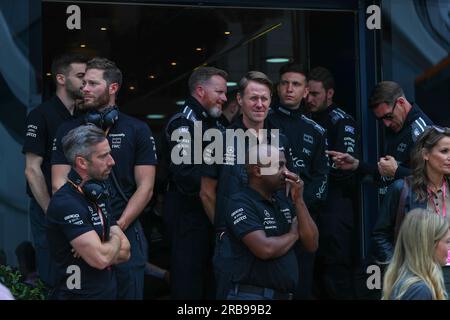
<point x="231" y="175"/>
<point x="308" y="142"/>
<point x="42" y="123"/>
<point x="249" y="211"/>
<point x="69" y="216"/>
<point x="131" y="143"/>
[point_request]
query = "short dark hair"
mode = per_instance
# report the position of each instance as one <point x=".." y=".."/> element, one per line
<point x="80" y="140"/>
<point x="385" y="92"/>
<point x="204" y="74"/>
<point x="293" y="67"/>
<point x="323" y="75"/>
<point x="256" y="76"/>
<point x="61" y="64"/>
<point x="111" y="73"/>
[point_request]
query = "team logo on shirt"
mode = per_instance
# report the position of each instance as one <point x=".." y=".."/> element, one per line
<point x="308" y="138"/>
<point x="73" y="218"/>
<point x="116" y="140"/>
<point x="269" y="221"/>
<point x="349" y="129"/>
<point x="401" y="147"/>
<point x="32" y="131"/>
<point x="229" y="157"/>
<point x="287" y="214"/>
<point x="238" y="215"/>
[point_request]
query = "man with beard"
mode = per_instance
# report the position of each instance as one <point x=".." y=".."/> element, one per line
<point x="333" y="265"/>
<point x="42" y="122"/>
<point x="189" y="225"/>
<point x="84" y="240"/>
<point x="132" y="179"/>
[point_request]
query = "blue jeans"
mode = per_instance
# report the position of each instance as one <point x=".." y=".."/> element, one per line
<point x="46" y="266"/>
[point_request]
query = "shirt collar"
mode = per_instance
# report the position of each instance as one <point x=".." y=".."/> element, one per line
<point x="74" y="177"/>
<point x="280" y="108"/>
<point x="258" y="197"/>
<point x="61" y="108"/>
<point x="198" y="109"/>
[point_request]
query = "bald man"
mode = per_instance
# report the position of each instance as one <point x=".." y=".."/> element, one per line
<point x="263" y="225"/>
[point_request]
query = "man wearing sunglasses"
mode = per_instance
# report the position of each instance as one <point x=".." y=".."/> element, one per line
<point x="404" y="121"/>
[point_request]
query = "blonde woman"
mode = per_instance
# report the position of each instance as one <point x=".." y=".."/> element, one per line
<point x="422" y="248"/>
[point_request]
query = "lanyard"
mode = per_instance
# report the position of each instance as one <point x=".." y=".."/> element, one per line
<point x="444" y="192"/>
<point x="99" y="210"/>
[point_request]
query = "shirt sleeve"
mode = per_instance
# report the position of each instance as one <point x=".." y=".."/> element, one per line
<point x="71" y="218"/>
<point x="184" y="172"/>
<point x="241" y="217"/>
<point x="402" y="172"/>
<point x="146" y="148"/>
<point x="36" y="134"/>
<point x="317" y="190"/>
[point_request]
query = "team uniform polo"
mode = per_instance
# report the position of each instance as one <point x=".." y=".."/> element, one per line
<point x="132" y="144"/>
<point x="231" y="175"/>
<point x="41" y="126"/>
<point x="308" y="144"/>
<point x="248" y="212"/>
<point x="69" y="216"/>
<point x="42" y="123"/>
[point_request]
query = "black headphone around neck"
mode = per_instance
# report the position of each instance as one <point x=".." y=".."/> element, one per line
<point x="95" y="191"/>
<point x="103" y="119"/>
